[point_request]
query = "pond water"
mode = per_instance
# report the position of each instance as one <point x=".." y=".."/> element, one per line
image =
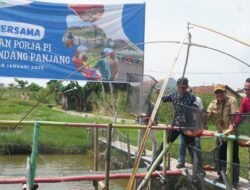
<point x="54" y="165"/>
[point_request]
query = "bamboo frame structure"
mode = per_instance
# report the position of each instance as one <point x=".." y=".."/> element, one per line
<point x="151" y="120"/>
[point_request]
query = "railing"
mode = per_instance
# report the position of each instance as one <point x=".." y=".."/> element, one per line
<point x="31" y="161"/>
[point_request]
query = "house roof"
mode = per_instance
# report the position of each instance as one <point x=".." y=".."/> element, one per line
<point x="209" y="90"/>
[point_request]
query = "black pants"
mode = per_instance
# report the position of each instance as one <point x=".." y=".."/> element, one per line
<point x="222" y="164"/>
<point x="172" y="136"/>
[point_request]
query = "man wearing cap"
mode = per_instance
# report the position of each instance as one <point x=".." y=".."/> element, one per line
<point x="218" y="110"/>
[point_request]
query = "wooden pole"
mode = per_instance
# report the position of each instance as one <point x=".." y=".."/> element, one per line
<point x="230" y="161"/>
<point x="164" y="186"/>
<point x="128" y="147"/>
<point x="107" y="156"/>
<point x="96" y="149"/>
<point x="169" y="164"/>
<point x="151" y="120"/>
<point x="96" y="155"/>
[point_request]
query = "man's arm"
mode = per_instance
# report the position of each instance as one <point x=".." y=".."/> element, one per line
<point x="167" y="98"/>
<point x="234" y="108"/>
<point x="208" y="116"/>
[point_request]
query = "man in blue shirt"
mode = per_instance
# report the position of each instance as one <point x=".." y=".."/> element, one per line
<point x="103" y="65"/>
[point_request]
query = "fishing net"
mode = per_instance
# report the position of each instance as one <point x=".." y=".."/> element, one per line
<point x="139" y="93"/>
<point x="190" y="117"/>
<point x="207" y="148"/>
<point x="204" y="148"/>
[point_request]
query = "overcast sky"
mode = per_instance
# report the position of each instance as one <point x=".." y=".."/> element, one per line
<point x="167" y="20"/>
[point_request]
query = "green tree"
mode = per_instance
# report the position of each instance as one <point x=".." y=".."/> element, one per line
<point x="11" y="85"/>
<point x="34" y="87"/>
<point x="89" y="89"/>
<point x="21" y="83"/>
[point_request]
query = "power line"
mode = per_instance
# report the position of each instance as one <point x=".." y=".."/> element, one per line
<point x="200" y="73"/>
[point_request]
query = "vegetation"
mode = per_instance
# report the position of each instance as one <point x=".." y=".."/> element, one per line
<point x="18" y="139"/>
<point x="104" y="99"/>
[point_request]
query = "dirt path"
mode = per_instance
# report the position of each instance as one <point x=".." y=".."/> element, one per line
<point x="90" y="115"/>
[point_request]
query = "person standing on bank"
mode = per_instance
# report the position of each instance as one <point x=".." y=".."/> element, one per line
<point x="218" y="110"/>
<point x="182" y="146"/>
<point x="182" y="118"/>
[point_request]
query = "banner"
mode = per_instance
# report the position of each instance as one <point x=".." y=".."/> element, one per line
<point x="78" y="41"/>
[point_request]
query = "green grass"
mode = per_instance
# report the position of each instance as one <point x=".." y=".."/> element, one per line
<point x="55" y="136"/>
<point x="49" y="135"/>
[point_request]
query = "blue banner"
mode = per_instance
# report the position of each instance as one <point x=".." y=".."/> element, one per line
<point x="74" y="41"/>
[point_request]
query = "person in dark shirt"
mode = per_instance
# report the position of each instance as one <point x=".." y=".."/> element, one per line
<point x="181" y="100"/>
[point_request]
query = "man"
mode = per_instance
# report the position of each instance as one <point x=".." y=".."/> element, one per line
<point x="103" y="64"/>
<point x="244" y="108"/>
<point x="182" y="118"/>
<point x="182" y="146"/>
<point x="219" y="109"/>
<point x="245" y="102"/>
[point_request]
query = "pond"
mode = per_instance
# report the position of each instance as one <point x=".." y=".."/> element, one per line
<point x="54" y="165"/>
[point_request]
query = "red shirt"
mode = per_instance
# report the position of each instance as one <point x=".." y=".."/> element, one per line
<point x="245" y="105"/>
<point x="244" y="108"/>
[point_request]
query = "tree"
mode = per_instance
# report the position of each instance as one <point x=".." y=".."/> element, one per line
<point x="11" y="85"/>
<point x="54" y="87"/>
<point x="34" y="87"/>
<point x="21" y="83"/>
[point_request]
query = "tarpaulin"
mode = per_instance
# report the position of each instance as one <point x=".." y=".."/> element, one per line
<point x="52" y="41"/>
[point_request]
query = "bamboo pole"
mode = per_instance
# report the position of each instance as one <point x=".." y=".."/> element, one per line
<point x="187" y="54"/>
<point x="107" y="156"/>
<point x="222" y="34"/>
<point x="102" y="185"/>
<point x="164" y="159"/>
<point x="230" y="162"/>
<point x="152" y="168"/>
<point x="151" y="120"/>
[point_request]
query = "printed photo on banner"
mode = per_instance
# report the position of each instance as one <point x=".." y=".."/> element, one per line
<point x="52" y="41"/>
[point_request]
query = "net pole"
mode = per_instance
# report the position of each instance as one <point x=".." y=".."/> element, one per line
<point x="152" y="117"/>
<point x="187" y="55"/>
<point x="222" y="34"/>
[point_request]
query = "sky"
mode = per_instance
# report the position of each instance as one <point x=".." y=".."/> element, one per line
<point x="168" y="20"/>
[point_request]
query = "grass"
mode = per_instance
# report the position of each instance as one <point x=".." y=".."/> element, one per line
<point x="49" y="135"/>
<point x="54" y="136"/>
